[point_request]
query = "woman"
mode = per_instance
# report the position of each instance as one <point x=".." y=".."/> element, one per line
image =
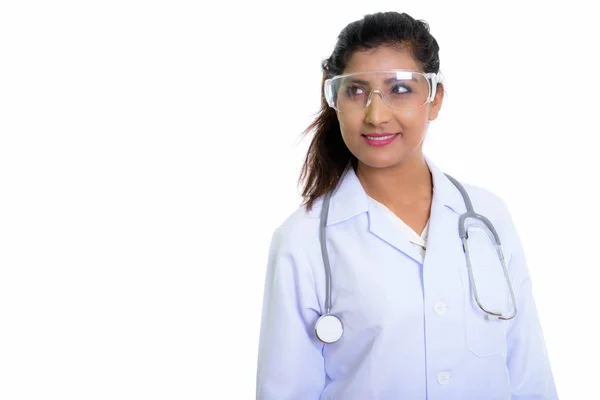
<point x="401" y="320"/>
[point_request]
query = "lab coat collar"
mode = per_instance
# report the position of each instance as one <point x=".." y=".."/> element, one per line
<point x="350" y="198"/>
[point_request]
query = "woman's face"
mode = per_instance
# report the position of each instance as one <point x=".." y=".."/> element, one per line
<point x="409" y="125"/>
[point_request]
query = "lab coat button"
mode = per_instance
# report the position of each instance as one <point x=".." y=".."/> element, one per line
<point x="440" y="308"/>
<point x="443" y="378"/>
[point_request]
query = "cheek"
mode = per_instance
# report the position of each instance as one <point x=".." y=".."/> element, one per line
<point x="416" y="117"/>
<point x="350" y="128"/>
<point x="414" y="123"/>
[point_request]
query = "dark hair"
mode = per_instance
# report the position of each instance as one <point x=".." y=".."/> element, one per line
<point x="328" y="157"/>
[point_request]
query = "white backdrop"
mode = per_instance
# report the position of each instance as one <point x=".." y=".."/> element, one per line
<point x="149" y="149"/>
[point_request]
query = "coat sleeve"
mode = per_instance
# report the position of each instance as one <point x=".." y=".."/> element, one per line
<point x="527" y="359"/>
<point x="290" y="357"/>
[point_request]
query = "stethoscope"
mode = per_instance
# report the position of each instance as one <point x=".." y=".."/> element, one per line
<point x="328" y="327"/>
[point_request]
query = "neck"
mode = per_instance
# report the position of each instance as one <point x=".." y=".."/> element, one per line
<point x="406" y="183"/>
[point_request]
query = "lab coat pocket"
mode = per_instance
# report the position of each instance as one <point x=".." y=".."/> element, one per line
<point x="485" y="335"/>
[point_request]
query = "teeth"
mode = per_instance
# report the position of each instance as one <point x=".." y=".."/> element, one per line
<point x="381" y="137"/>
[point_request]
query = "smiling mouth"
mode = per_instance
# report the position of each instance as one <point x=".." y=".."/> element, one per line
<point x="386" y="136"/>
<point x="380" y="139"/>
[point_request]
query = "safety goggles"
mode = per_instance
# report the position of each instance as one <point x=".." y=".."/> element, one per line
<point x="400" y="89"/>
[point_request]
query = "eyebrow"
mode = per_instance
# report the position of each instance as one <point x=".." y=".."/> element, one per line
<point x="387" y="81"/>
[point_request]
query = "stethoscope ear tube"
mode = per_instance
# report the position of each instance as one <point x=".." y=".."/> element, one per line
<point x="491" y="314"/>
<point x="328" y="328"/>
<point x="462" y="231"/>
<point x="323" y="240"/>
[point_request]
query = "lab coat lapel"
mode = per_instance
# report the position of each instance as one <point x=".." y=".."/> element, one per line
<point x="443" y="243"/>
<point x="382" y="226"/>
<point x="350" y="199"/>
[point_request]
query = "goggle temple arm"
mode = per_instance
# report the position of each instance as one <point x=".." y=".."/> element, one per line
<point x="434" y="79"/>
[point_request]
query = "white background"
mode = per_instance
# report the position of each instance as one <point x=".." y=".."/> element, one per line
<point x="149" y="149"/>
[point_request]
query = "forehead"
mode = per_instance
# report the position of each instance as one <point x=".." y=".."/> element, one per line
<point x="381" y="58"/>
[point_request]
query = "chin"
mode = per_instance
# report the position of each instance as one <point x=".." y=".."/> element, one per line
<point x="380" y="162"/>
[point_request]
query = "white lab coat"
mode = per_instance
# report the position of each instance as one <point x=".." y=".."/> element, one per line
<point x="412" y="329"/>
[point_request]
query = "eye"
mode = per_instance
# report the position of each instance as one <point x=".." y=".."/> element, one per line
<point x="401" y="89"/>
<point x="354" y="90"/>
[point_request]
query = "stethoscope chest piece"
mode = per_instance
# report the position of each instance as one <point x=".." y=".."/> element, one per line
<point x="328" y="328"/>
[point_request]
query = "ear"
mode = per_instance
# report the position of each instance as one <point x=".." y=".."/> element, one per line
<point x="436" y="104"/>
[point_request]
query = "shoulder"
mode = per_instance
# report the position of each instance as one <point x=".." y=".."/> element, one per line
<point x="486" y="202"/>
<point x="299" y="229"/>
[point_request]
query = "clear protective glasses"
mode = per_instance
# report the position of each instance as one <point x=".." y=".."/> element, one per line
<point x="400" y="89"/>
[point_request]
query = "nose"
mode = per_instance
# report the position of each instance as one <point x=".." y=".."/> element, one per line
<point x="377" y="110"/>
